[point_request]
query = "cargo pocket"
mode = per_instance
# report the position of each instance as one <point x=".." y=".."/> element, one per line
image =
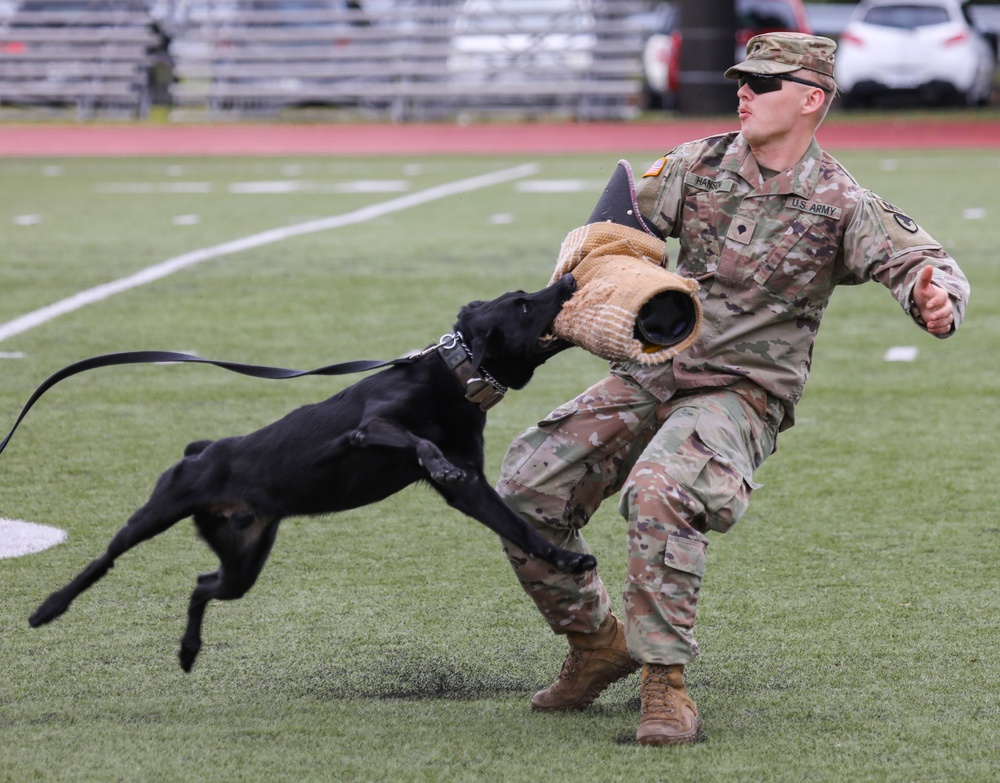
<point x="725" y="513"/>
<point x="685" y="554"/>
<point x="684" y="566"/>
<point x="651" y="567"/>
<point x="700" y="464"/>
<point x="725" y="490"/>
<point x="523" y="453"/>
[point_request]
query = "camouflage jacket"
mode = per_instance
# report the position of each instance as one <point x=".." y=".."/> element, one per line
<point x="768" y="256"/>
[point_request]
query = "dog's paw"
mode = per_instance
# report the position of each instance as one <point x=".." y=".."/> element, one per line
<point x="187" y="654"/>
<point x="448" y="475"/>
<point x="570" y="563"/>
<point x="53" y="607"/>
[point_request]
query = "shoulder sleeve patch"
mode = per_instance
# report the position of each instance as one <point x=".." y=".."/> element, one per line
<point x="656" y="168"/>
<point x="902" y="231"/>
<point x="904" y="221"/>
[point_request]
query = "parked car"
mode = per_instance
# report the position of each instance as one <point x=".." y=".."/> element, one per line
<point x="927" y="50"/>
<point x="662" y="53"/>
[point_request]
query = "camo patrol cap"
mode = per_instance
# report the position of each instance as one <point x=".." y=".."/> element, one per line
<point x="771" y="53"/>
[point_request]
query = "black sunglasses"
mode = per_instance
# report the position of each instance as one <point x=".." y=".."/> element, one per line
<point x="759" y="83"/>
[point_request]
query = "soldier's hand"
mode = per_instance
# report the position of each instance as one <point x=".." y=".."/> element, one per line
<point x="933" y="303"/>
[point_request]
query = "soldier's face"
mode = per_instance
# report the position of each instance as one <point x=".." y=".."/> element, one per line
<point x="770" y="116"/>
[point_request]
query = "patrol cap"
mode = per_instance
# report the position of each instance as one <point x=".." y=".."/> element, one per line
<point x="772" y="53"/>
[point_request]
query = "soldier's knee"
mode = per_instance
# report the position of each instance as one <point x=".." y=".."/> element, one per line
<point x="542" y="511"/>
<point x="653" y="494"/>
<point x="516" y="497"/>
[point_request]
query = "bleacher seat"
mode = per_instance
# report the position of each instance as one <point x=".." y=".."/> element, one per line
<point x="400" y="60"/>
<point x="91" y="55"/>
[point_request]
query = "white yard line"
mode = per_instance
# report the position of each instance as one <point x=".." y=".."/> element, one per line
<point x="168" y="267"/>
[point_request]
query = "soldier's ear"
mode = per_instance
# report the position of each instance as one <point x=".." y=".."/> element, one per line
<point x="814" y="101"/>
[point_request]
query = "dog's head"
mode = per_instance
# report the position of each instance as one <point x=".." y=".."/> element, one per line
<point x="512" y="335"/>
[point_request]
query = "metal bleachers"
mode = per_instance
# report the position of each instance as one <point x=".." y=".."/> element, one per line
<point x="387" y="59"/>
<point x="405" y="60"/>
<point x="92" y="56"/>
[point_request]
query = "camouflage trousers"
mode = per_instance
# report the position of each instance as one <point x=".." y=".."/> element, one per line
<point x="684" y="466"/>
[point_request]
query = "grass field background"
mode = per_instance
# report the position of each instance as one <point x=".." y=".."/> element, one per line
<point x="849" y="624"/>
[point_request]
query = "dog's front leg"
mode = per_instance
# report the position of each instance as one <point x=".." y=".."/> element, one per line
<point x="384" y="432"/>
<point x="480" y="501"/>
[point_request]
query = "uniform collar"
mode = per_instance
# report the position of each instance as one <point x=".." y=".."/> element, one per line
<point x="801" y="179"/>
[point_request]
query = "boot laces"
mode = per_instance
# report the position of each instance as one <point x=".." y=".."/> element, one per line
<point x="573" y="662"/>
<point x="656" y="693"/>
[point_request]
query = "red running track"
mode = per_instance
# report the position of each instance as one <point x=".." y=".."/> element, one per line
<point x="449" y="139"/>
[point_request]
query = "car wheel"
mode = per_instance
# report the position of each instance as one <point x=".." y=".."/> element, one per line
<point x="854" y="100"/>
<point x="984" y="98"/>
<point x="651" y="99"/>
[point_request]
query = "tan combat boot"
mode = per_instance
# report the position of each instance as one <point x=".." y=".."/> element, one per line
<point x="595" y="660"/>
<point x="669" y="716"/>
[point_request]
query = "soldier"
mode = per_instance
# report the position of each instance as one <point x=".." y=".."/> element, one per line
<point x="768" y="224"/>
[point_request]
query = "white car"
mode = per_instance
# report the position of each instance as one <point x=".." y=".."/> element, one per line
<point x="929" y="50"/>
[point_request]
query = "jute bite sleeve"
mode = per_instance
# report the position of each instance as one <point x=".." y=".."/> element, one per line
<point x="627" y="306"/>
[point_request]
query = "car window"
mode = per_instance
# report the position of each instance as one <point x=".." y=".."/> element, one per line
<point x="754" y="15"/>
<point x="765" y="15"/>
<point x="907" y="17"/>
<point x="968" y="17"/>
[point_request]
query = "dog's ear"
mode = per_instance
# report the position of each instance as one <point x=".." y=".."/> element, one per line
<point x="467" y="326"/>
<point x="479" y="343"/>
<point x="466" y="321"/>
<point x="469" y="309"/>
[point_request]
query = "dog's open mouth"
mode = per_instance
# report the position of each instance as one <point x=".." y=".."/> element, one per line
<point x="548" y="343"/>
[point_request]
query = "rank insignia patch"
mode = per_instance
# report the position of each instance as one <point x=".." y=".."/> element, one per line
<point x="741" y="230"/>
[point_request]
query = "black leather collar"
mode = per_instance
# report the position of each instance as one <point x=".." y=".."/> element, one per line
<point x="480" y="387"/>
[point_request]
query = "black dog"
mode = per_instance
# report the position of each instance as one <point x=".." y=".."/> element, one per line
<point x="422" y="419"/>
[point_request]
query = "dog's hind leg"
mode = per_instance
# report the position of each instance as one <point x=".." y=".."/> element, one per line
<point x="479" y="500"/>
<point x="243" y="545"/>
<point x="382" y="432"/>
<point x="158" y="515"/>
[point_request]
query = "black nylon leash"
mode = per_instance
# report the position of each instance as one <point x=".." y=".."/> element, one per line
<point x="157" y="357"/>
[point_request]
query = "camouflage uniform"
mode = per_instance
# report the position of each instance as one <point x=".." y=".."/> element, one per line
<point x="681" y="440"/>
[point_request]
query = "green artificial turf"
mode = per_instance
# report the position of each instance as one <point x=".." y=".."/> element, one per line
<point x="848" y="624"/>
